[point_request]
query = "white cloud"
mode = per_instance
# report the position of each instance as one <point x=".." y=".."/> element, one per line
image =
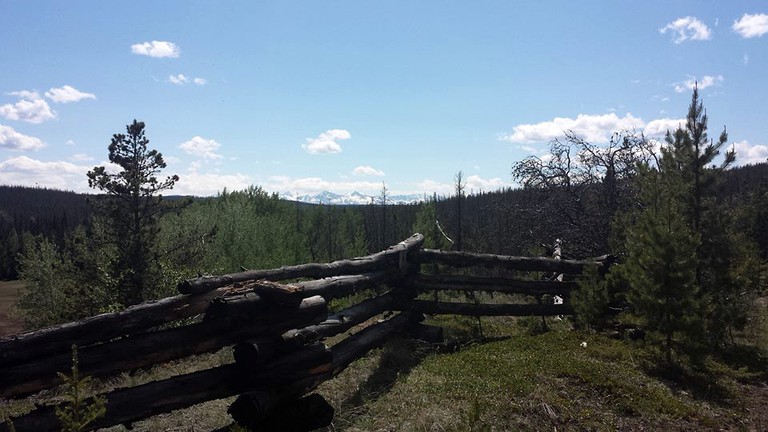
<point x="474" y="183"/>
<point x="367" y="171"/>
<point x="67" y="94"/>
<point x="157" y="49"/>
<point x="24" y="171"/>
<point x="593" y="128"/>
<point x="201" y="147"/>
<point x="181" y="79"/>
<point x="206" y="184"/>
<point x="316" y="184"/>
<point x="12" y="140"/>
<point x="749" y="26"/>
<point x="750" y="154"/>
<point x="326" y="142"/>
<point x="30" y="108"/>
<point x="706" y="81"/>
<point x="687" y="28"/>
<point x="659" y="127"/>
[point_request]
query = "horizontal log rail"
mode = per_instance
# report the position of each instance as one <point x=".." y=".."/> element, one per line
<point x="159" y="346"/>
<point x="393" y="256"/>
<point x="471" y="309"/>
<point x="139" y="402"/>
<point x="467" y="259"/>
<point x="343" y="320"/>
<point x="25" y="346"/>
<point x="424" y="282"/>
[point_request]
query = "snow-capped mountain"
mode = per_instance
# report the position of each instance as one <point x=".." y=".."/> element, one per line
<point x="355" y="198"/>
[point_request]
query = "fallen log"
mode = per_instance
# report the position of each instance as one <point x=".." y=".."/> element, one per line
<point x="425" y="282"/>
<point x="159" y="346"/>
<point x="343" y="320"/>
<point x="388" y="258"/>
<point x="471" y="309"/>
<point x="467" y="259"/>
<point x="59" y="339"/>
<point x="137" y="403"/>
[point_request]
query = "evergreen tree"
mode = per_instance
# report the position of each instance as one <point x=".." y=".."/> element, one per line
<point x="133" y="206"/>
<point x="661" y="264"/>
<point x="690" y="154"/>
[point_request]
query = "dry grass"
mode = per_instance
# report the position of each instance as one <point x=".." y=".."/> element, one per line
<point x="10" y="291"/>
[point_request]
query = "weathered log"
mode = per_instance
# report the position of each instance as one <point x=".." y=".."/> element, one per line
<point x="510" y="286"/>
<point x="155" y="347"/>
<point x="343" y="320"/>
<point x="259" y="351"/>
<point x="466" y="259"/>
<point x="137" y="403"/>
<point x="471" y="309"/>
<point x="369" y="263"/>
<point x="58" y="339"/>
<point x="340" y="286"/>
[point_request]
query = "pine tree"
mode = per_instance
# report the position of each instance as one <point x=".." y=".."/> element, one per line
<point x="661" y="264"/>
<point x="133" y="206"/>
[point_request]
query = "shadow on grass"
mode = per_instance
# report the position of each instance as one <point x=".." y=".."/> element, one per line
<point x="749" y="362"/>
<point x="399" y="356"/>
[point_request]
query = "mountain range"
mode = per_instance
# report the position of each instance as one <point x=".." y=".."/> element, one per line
<point x="354" y="198"/>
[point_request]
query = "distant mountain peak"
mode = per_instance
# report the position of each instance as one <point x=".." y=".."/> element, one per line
<point x="354" y="198"/>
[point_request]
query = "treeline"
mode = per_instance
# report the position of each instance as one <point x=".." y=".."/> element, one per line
<point x="255" y="229"/>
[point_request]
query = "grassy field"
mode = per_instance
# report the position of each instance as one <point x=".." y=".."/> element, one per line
<point x="510" y="379"/>
<point x="9" y="293"/>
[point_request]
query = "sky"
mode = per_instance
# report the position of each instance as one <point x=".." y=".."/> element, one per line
<point x="343" y="96"/>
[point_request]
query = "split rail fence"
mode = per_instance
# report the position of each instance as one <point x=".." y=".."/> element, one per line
<point x="276" y="320"/>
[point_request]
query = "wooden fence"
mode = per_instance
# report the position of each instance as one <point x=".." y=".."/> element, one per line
<point x="276" y="328"/>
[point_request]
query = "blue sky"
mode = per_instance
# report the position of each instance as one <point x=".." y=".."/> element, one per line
<point x="345" y="95"/>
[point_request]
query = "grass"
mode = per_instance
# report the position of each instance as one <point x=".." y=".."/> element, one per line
<point x="540" y="382"/>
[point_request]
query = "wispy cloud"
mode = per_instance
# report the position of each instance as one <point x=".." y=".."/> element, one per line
<point x="181" y="79"/>
<point x="326" y="142"/>
<point x="157" y="49"/>
<point x="687" y="28"/>
<point x="750" y="26"/>
<point x="67" y="94"/>
<point x="704" y="82"/>
<point x="747" y="153"/>
<point x="201" y="147"/>
<point x="30" y="108"/>
<point x="367" y="171"/>
<point x="12" y="140"/>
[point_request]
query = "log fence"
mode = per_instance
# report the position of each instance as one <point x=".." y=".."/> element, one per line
<point x="276" y="321"/>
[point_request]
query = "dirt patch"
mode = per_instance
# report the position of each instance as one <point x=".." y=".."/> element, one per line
<point x="9" y="293"/>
